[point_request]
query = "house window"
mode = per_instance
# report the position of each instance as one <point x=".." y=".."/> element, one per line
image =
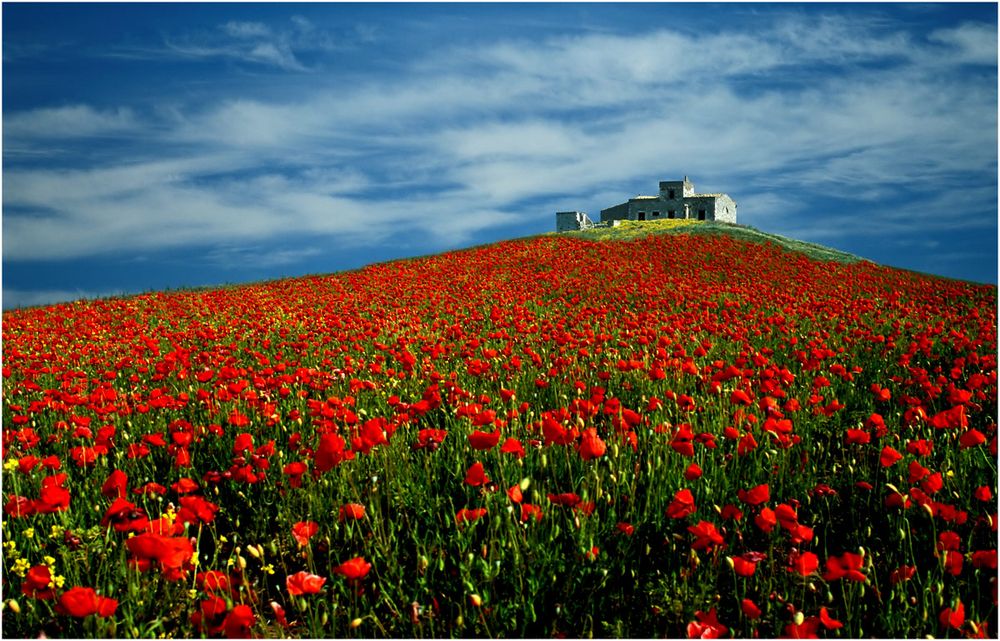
<point x="670" y="194"/>
<point x="701" y="214"/>
<point x="656" y="214"/>
<point x="670" y="214"/>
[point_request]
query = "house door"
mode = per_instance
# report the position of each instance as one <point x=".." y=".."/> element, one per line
<point x="642" y="215"/>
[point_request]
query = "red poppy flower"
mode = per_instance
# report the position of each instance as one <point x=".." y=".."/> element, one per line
<point x="352" y="511"/>
<point x="37" y="583"/>
<point x="515" y="494"/>
<point x="125" y="516"/>
<point x="828" y="622"/>
<point x="568" y="499"/>
<point x="682" y="505"/>
<point x="475" y="475"/>
<point x="786" y="516"/>
<point x="513" y="446"/>
<point x="591" y="445"/>
<point x="766" y="520"/>
<point x="243" y="443"/>
<point x="985" y="559"/>
<point x="238" y="622"/>
<point x="983" y="493"/>
<point x="212" y="581"/>
<point x="304" y="583"/>
<point x="150" y="488"/>
<point x="53" y="497"/>
<point x="953" y="562"/>
<point x="739" y="397"/>
<point x="706" y="536"/>
<point x="692" y="472"/>
<point x="555" y="433"/>
<point x="804" y="563"/>
<point x="707" y="626"/>
<point x="294" y="471"/>
<point x="429" y="438"/>
<point x="172" y="553"/>
<point x="756" y="495"/>
<point x="19" y="506"/>
<point x="354" y="569"/>
<point x="529" y="511"/>
<point x="953" y="618"/>
<point x="805" y="630"/>
<point x="330" y="452"/>
<point x="953" y="418"/>
<point x="743" y="567"/>
<point x="184" y="486"/>
<point x="116" y="485"/>
<point x="746" y="444"/>
<point x="848" y="565"/>
<point x="971" y="438"/>
<point x="484" y="440"/>
<point x="750" y="609"/>
<point x="731" y="513"/>
<point x="303" y="531"/>
<point x="196" y="510"/>
<point x="372" y="434"/>
<point x="889" y="456"/>
<point x="625" y="528"/>
<point x="860" y="437"/>
<point x="81" y="602"/>
<point x="468" y="515"/>
<point x="902" y="573"/>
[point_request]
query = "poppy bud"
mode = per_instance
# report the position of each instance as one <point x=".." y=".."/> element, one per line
<point x="475" y="600"/>
<point x="355" y="623"/>
<point x="14" y="606"/>
<point x="253" y="551"/>
<point x="799" y="618"/>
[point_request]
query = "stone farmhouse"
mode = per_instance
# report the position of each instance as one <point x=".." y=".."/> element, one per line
<point x="675" y="200"/>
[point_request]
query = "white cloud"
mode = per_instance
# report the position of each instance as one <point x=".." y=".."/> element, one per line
<point x="72" y="121"/>
<point x="973" y="43"/>
<point x="239" y="29"/>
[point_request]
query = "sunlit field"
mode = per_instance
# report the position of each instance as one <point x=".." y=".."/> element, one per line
<point x="674" y="435"/>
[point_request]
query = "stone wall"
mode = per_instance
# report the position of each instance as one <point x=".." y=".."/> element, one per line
<point x="725" y="209"/>
<point x="618" y="212"/>
<point x="570" y="220"/>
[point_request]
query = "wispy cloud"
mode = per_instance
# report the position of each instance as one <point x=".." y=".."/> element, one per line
<point x="73" y="121"/>
<point x="971" y="43"/>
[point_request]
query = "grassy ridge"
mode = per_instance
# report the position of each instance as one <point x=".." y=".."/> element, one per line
<point x="632" y="229"/>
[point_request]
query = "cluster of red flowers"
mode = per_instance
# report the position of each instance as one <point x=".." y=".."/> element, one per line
<point x="754" y="394"/>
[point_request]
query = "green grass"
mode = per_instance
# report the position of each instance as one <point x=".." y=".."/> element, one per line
<point x="631" y="229"/>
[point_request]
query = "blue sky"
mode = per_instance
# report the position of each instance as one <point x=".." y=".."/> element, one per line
<point x="155" y="146"/>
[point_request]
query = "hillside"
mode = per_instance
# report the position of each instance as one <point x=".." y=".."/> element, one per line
<point x="688" y="433"/>
<point x="630" y="229"/>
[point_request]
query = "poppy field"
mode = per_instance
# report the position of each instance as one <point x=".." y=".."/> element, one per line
<point x="681" y="435"/>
